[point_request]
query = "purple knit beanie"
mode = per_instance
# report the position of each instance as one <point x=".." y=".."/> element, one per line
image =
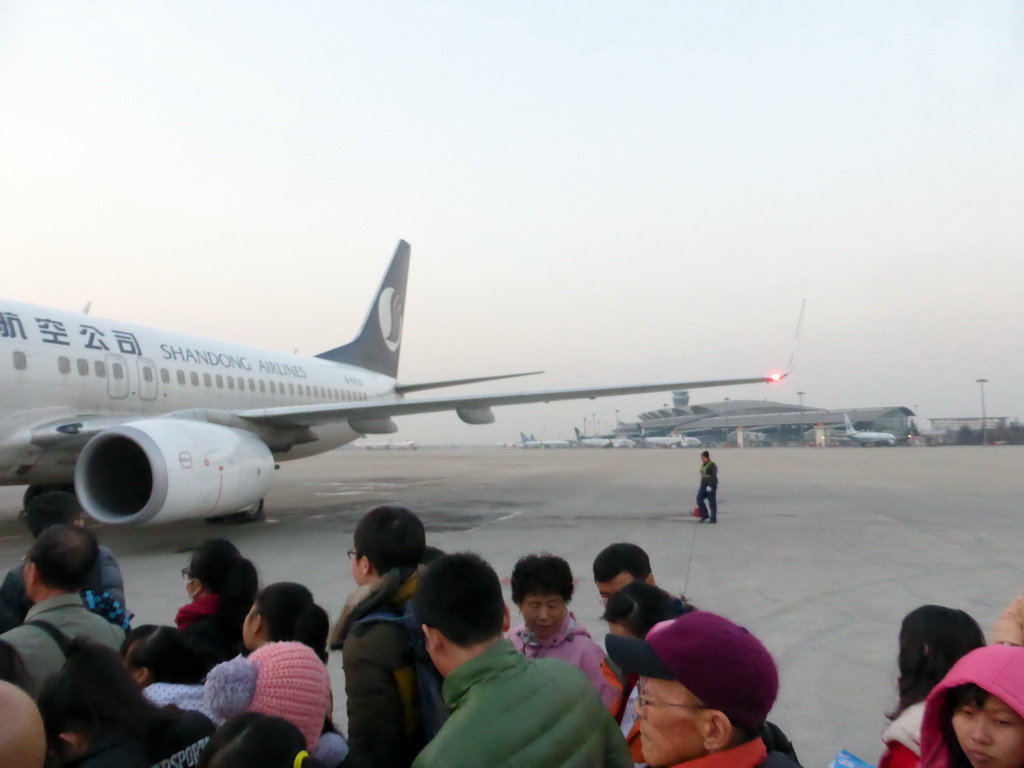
<point x="722" y="664"/>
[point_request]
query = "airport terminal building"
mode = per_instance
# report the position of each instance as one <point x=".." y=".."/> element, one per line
<point x="764" y="422"/>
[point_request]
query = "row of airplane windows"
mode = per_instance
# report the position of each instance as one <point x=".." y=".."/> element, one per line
<point x="99" y="369"/>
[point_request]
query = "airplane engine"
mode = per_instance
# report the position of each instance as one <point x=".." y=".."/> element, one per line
<point x="171" y="468"/>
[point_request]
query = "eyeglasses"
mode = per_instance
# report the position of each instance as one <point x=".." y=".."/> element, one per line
<point x="643" y="701"/>
<point x="185" y="574"/>
<point x="352" y="554"/>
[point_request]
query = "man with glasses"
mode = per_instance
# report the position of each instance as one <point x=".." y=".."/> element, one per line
<point x="377" y="651"/>
<point x="706" y="687"/>
<point x="46" y="510"/>
<point x="56" y="567"/>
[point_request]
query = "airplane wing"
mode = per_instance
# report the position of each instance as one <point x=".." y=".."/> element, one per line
<point x="473" y="409"/>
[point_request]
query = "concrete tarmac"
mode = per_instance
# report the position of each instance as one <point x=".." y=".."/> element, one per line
<point x="819" y="552"/>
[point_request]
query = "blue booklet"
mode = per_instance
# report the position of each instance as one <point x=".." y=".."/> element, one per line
<point x="849" y="760"/>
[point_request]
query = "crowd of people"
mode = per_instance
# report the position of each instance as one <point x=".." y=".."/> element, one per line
<point x="435" y="673"/>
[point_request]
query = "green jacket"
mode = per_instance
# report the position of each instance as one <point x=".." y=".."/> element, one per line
<point x="42" y="656"/>
<point x="511" y="711"/>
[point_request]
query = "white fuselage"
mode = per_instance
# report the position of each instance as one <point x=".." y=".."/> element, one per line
<point x="544" y="444"/>
<point x="672" y="442"/>
<point x="873" y="437"/>
<point x="57" y="365"/>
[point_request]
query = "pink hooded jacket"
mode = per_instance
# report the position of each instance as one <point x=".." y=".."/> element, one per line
<point x="999" y="669"/>
<point x="572" y="643"/>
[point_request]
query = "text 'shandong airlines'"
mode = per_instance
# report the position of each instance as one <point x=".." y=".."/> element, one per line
<point x="155" y="425"/>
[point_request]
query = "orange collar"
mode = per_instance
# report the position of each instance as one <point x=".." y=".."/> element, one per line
<point x="748" y="755"/>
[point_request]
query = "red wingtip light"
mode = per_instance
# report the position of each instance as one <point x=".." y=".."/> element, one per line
<point x="776" y="377"/>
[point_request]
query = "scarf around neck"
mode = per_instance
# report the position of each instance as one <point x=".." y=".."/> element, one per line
<point x="198" y="609"/>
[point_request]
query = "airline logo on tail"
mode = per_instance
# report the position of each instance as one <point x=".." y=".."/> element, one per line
<point x="390" y="313"/>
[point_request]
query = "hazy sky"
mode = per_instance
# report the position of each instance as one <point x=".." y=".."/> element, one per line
<point x="612" y="192"/>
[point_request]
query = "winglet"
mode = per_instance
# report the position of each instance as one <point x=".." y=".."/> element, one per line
<point x="796" y="338"/>
<point x="378" y="344"/>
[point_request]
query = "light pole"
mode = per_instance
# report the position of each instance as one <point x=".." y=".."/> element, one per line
<point x="984" y="420"/>
<point x="801" y="396"/>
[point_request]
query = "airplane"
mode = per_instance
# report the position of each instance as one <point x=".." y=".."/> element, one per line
<point x="668" y="441"/>
<point x="146" y="425"/>
<point x="407" y="445"/>
<point x="868" y="438"/>
<point x="671" y="441"/>
<point x="602" y="442"/>
<point x="533" y="442"/>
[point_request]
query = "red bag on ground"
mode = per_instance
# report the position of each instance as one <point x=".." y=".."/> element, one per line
<point x="696" y="512"/>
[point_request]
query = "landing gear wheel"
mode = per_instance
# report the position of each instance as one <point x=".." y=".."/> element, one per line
<point x="251" y="514"/>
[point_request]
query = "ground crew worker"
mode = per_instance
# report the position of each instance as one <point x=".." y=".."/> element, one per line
<point x="708" y="489"/>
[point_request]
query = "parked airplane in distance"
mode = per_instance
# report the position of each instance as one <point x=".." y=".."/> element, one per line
<point x="533" y="442"/>
<point x="407" y="445"/>
<point x="668" y="441"/>
<point x="602" y="442"/>
<point x="151" y="425"/>
<point x="868" y="438"/>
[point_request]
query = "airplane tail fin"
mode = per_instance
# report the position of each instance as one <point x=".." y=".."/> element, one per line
<point x="523" y="438"/>
<point x="849" y="427"/>
<point x="578" y="435"/>
<point x="378" y="344"/>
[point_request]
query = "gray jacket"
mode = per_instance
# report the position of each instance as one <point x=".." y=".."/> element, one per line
<point x="40" y="652"/>
<point x="105" y="576"/>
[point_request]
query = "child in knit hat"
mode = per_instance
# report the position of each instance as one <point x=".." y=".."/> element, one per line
<point x="285" y="680"/>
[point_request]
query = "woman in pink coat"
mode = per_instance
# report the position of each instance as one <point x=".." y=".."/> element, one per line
<point x="974" y="718"/>
<point x="932" y="639"/>
<point x="542" y="589"/>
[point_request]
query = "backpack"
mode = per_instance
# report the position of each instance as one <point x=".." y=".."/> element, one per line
<point x="429" y="682"/>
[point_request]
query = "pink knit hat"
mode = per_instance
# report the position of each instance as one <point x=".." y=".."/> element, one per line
<point x="292" y="683"/>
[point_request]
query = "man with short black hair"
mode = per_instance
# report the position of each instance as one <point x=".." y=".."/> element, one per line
<point x="384" y="728"/>
<point x="618" y="565"/>
<point x="706" y="688"/>
<point x="506" y="709"/>
<point x="46" y="510"/>
<point x="56" y="567"/>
